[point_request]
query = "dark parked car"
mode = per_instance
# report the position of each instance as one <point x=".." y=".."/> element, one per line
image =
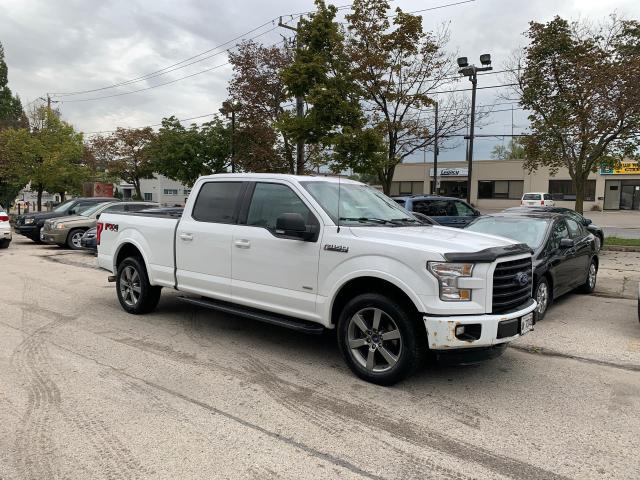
<point x="565" y="255"/>
<point x="31" y="224"/>
<point x="594" y="229"/>
<point x="89" y="239"/>
<point x="424" y="219"/>
<point x="447" y="211"/>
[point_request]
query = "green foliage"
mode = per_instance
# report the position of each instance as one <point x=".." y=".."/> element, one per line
<point x="513" y="150"/>
<point x="49" y="156"/>
<point x="322" y="73"/>
<point x="11" y="112"/>
<point x="184" y="154"/>
<point x="580" y="84"/>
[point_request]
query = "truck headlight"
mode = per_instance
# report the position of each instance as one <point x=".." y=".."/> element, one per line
<point x="28" y="221"/>
<point x="448" y="275"/>
<point x="59" y="226"/>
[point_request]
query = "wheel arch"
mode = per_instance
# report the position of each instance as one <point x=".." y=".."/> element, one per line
<point x="369" y="283"/>
<point x="129" y="249"/>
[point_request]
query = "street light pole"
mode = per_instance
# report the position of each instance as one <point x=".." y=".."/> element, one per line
<point x="471" y="71"/>
<point x="436" y="188"/>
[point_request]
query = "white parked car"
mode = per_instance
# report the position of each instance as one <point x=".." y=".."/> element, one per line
<point x="310" y="253"/>
<point x="537" y="199"/>
<point x="5" y="228"/>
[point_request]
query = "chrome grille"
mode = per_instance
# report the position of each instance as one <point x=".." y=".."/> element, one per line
<point x="509" y="290"/>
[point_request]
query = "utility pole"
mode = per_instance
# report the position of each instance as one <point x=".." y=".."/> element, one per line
<point x="471" y="71"/>
<point x="299" y="110"/>
<point x="436" y="187"/>
<point x="228" y="109"/>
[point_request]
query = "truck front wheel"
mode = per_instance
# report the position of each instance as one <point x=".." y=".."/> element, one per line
<point x="379" y="338"/>
<point x="135" y="293"/>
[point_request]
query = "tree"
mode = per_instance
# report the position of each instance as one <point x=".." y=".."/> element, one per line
<point x="398" y="66"/>
<point x="49" y="156"/>
<point x="513" y="150"/>
<point x="11" y="116"/>
<point x="580" y="84"/>
<point x="126" y="153"/>
<point x="258" y="91"/>
<point x="184" y="154"/>
<point x="322" y="73"/>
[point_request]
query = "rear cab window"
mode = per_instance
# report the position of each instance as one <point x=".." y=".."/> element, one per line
<point x="218" y="202"/>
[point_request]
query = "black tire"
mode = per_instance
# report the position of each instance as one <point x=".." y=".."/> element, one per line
<point x="543" y="299"/>
<point x="589" y="284"/>
<point x="74" y="238"/>
<point x="132" y="301"/>
<point x="4" y="243"/>
<point x="407" y="349"/>
<point x="36" y="237"/>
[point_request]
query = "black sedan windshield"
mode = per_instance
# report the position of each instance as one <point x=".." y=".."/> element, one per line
<point x="522" y="229"/>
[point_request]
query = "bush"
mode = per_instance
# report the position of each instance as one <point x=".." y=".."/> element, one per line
<point x="596" y="208"/>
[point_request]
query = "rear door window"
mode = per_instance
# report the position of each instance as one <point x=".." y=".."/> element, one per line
<point x="462" y="209"/>
<point x="434" y="208"/>
<point x="547" y="196"/>
<point x="217" y="202"/>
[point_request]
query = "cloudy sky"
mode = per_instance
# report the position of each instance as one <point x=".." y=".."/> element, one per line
<point x="79" y="45"/>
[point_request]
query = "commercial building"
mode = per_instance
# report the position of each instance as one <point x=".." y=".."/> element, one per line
<point x="500" y="184"/>
<point x="159" y="189"/>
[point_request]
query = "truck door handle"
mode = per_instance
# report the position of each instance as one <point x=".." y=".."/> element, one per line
<point x="242" y="243"/>
<point x="187" y="237"/>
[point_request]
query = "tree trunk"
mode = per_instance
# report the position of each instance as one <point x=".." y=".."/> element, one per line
<point x="136" y="184"/>
<point x="40" y="190"/>
<point x="579" y="207"/>
<point x="288" y="153"/>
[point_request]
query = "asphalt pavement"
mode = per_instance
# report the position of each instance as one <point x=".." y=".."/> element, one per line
<point x="88" y="391"/>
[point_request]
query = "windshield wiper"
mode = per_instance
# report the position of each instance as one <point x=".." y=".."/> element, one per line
<point x="406" y="219"/>
<point x="380" y="221"/>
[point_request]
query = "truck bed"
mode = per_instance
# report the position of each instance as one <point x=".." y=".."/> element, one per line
<point x="153" y="234"/>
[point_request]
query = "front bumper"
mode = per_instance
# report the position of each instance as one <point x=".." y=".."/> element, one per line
<point x="30" y="230"/>
<point x="52" y="236"/>
<point x="493" y="329"/>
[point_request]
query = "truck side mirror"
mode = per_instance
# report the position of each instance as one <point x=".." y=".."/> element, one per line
<point x="292" y="225"/>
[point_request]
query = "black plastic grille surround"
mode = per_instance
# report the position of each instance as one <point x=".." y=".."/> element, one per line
<point x="512" y="285"/>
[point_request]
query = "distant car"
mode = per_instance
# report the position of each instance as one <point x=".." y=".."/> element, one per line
<point x="89" y="240"/>
<point x="5" y="228"/>
<point x="447" y="211"/>
<point x="564" y="252"/>
<point x="594" y="229"/>
<point x="171" y="211"/>
<point x="68" y="231"/>
<point x="30" y="225"/>
<point x="537" y="199"/>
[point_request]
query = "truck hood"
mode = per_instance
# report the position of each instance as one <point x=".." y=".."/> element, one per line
<point x="442" y="240"/>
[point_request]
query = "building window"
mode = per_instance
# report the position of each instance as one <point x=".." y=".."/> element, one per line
<point x="407" y="188"/>
<point x="186" y="191"/>
<point x="564" y="190"/>
<point x="501" y="189"/>
<point x="148" y="197"/>
<point x="170" y="191"/>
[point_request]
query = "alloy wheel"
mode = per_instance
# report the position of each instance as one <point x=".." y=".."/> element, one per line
<point x="542" y="297"/>
<point x="76" y="240"/>
<point x="374" y="340"/>
<point x="130" y="285"/>
<point x="593" y="272"/>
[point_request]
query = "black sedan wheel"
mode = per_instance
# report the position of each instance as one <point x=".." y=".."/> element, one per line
<point x="543" y="298"/>
<point x="590" y="283"/>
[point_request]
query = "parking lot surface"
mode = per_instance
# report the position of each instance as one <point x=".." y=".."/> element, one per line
<point x="88" y="391"/>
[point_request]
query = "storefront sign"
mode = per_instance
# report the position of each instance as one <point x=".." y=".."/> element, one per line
<point x="450" y="172"/>
<point x="625" y="168"/>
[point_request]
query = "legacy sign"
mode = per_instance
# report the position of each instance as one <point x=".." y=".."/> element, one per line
<point x="450" y="172"/>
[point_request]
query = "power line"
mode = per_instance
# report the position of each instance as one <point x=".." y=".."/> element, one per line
<point x="149" y="126"/>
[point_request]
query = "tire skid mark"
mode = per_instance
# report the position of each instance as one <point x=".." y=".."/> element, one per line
<point x="34" y="444"/>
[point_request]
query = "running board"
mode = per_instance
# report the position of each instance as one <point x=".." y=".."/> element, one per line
<point x="259" y="315"/>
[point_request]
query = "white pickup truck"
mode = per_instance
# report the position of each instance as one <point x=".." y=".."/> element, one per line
<point x="315" y="253"/>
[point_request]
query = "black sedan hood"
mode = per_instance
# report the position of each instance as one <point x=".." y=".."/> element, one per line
<point x="43" y="215"/>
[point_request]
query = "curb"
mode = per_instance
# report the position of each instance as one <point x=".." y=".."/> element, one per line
<point x="620" y="248"/>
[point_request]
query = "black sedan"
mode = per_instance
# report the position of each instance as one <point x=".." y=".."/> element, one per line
<point x="594" y="229"/>
<point x="565" y="255"/>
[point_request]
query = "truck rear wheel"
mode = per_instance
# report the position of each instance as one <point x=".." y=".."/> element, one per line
<point x="135" y="293"/>
<point x="379" y="339"/>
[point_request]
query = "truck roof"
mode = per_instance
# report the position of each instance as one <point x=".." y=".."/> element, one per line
<point x="281" y="176"/>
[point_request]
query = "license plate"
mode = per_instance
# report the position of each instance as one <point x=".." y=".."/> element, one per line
<point x="526" y="323"/>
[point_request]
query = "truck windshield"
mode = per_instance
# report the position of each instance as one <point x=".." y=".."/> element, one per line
<point x="524" y="230"/>
<point x="359" y="204"/>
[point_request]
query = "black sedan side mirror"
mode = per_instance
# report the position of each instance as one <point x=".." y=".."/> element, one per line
<point x="476" y="213"/>
<point x="588" y="221"/>
<point x="293" y="226"/>
<point x="566" y="243"/>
